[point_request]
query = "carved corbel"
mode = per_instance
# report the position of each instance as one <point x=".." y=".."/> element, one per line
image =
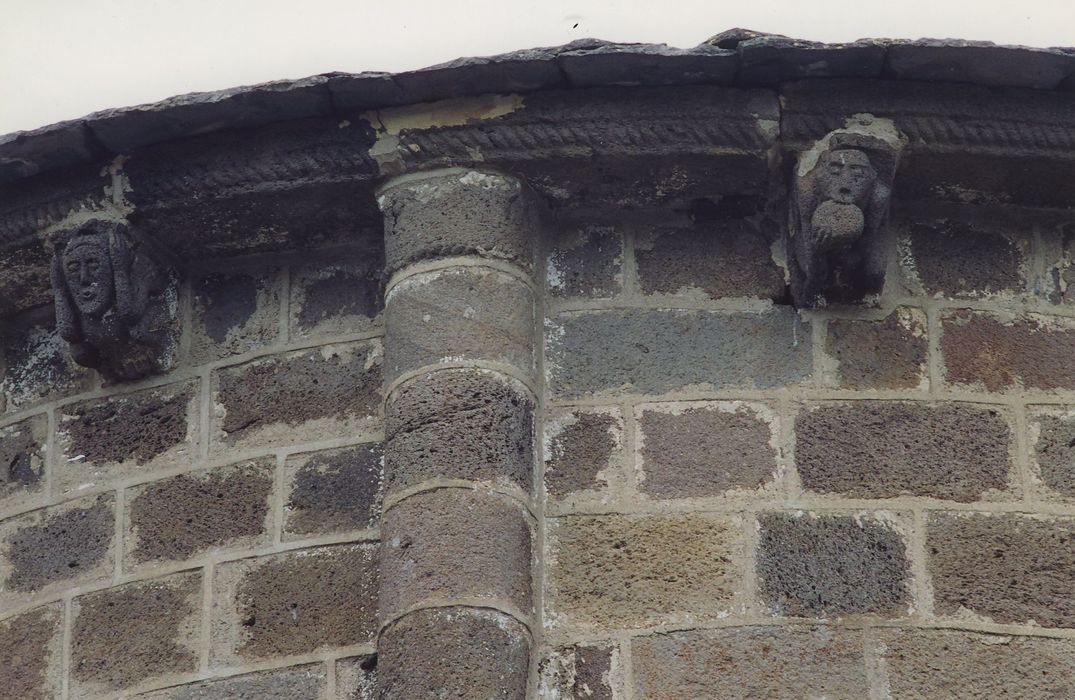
<point x="839" y="212"/>
<point x="115" y="304"/>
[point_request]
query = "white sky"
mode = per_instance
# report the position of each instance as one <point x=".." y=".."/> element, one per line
<point x="61" y="59"/>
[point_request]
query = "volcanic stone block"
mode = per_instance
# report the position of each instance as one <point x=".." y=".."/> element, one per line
<point x="922" y="664"/>
<point x="1001" y="352"/>
<point x="460" y="424"/>
<point x="31" y="645"/>
<point x="1052" y="435"/>
<point x="884" y="449"/>
<point x="326" y="392"/>
<point x="22" y="461"/>
<point x="453" y="653"/>
<point x="356" y="677"/>
<point x="704" y="449"/>
<point x="885" y="354"/>
<point x="294" y="603"/>
<point x="37" y="365"/>
<point x="775" y="663"/>
<point x="450" y="544"/>
<point x="585" y="261"/>
<point x="656" y="351"/>
<point x="579" y="671"/>
<point x="618" y="571"/>
<point x="334" y="490"/>
<point x="1010" y="568"/>
<point x="234" y="312"/>
<point x="134" y="633"/>
<point x="294" y="683"/>
<point x="462" y="313"/>
<point x="186" y="515"/>
<point x="718" y="259"/>
<point x="125" y="435"/>
<point x="582" y="450"/>
<point x="458" y="214"/>
<point x="962" y="259"/>
<point x="57" y="547"/>
<point x="336" y="297"/>
<point x="831" y="565"/>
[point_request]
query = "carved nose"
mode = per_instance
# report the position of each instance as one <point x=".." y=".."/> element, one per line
<point x="845" y="191"/>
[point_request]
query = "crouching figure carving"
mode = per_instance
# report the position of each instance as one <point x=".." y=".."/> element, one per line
<point x="115" y="306"/>
<point x="839" y="212"/>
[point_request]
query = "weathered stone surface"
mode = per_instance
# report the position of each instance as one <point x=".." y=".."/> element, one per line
<point x="655" y="351"/>
<point x="461" y="424"/>
<point x="774" y="58"/>
<point x="336" y="297"/>
<point x="22" y="461"/>
<point x="57" y="547"/>
<point x="1001" y="352"/>
<point x="617" y="571"/>
<point x="980" y="62"/>
<point x="645" y="64"/>
<point x="294" y="603"/>
<point x="1007" y="567"/>
<point x="133" y="633"/>
<point x="324" y="392"/>
<point x="886" y="354"/>
<point x="718" y="259"/>
<point x="705" y="449"/>
<point x="453" y="653"/>
<point x="186" y="515"/>
<point x="333" y="491"/>
<point x="37" y="365"/>
<point x="234" y="312"/>
<point x="962" y="259"/>
<point x="582" y="450"/>
<point x="925" y="664"/>
<point x="126" y="434"/>
<point x="585" y="261"/>
<point x="468" y="313"/>
<point x="776" y="663"/>
<point x="831" y="565"/>
<point x="451" y="544"/>
<point x="31" y="646"/>
<point x="295" y="683"/>
<point x="24" y="276"/>
<point x="579" y="671"/>
<point x="1052" y="439"/>
<point x="885" y="449"/>
<point x="27" y="153"/>
<point x="356" y="677"/>
<point x="467" y="213"/>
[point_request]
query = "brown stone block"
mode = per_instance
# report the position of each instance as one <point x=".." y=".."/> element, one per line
<point x="460" y="424"/>
<point x="294" y="603"/>
<point x="885" y="354"/>
<point x="1008" y="568"/>
<point x="58" y="547"/>
<point x="691" y="450"/>
<point x="1052" y="441"/>
<point x="31" y="645"/>
<point x="581" y="671"/>
<point x="453" y="653"/>
<point x="927" y="664"/>
<point x="618" y="571"/>
<point x="356" y="677"/>
<point x="126" y="435"/>
<point x="333" y="491"/>
<point x="22" y="461"/>
<point x="36" y="365"/>
<point x="234" y="312"/>
<point x="711" y="260"/>
<point x="187" y="515"/>
<point x="149" y="630"/>
<point x="461" y="313"/>
<point x="294" y="683"/>
<point x="830" y="566"/>
<point x="450" y="544"/>
<point x="1001" y="352"/>
<point x="583" y="450"/>
<point x="885" y="449"/>
<point x="747" y="663"/>
<point x="327" y="392"/>
<point x="336" y="297"/>
<point x="585" y="261"/>
<point x="962" y="259"/>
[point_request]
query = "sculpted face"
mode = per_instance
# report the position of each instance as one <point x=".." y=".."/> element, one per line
<point x="847" y="177"/>
<point x="87" y="270"/>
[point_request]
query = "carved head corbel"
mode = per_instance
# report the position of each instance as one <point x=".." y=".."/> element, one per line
<point x="839" y="210"/>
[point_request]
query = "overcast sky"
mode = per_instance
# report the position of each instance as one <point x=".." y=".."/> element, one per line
<point x="61" y="59"/>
